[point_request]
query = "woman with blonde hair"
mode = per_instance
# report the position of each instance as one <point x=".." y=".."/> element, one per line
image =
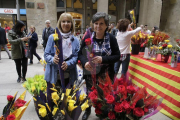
<point x="70" y="47"/>
<point x="33" y="44"/>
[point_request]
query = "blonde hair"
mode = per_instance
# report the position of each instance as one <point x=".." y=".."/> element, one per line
<point x="32" y="26"/>
<point x="70" y="18"/>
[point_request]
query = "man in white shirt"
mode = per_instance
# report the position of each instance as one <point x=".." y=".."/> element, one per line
<point x="146" y="30"/>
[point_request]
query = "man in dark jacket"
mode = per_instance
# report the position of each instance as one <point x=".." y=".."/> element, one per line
<point x="3" y="42"/>
<point x="113" y="30"/>
<point x="48" y="30"/>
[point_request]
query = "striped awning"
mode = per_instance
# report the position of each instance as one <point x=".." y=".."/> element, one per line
<point x="160" y="79"/>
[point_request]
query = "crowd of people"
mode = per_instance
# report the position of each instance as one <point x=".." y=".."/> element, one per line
<point x="111" y="46"/>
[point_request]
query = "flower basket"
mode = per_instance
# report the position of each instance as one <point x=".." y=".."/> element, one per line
<point x="164" y="58"/>
<point x="135" y="49"/>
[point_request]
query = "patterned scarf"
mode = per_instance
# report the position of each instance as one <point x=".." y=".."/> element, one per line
<point x="104" y="48"/>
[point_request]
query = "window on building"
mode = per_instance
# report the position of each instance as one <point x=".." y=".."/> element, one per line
<point x="69" y="3"/>
<point x="60" y="3"/>
<point x="78" y="4"/>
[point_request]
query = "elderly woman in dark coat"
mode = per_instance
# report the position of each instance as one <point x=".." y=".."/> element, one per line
<point x="106" y="52"/>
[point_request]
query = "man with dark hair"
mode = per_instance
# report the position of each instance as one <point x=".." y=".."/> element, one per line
<point x="3" y="42"/>
<point x="48" y="30"/>
<point x="7" y="28"/>
<point x="113" y="30"/>
<point x="146" y="30"/>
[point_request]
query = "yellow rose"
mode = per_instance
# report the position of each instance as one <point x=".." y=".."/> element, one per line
<point x="42" y="112"/>
<point x="82" y="97"/>
<point x="84" y="105"/>
<point x="55" y="36"/>
<point x="63" y="112"/>
<point x="24" y="85"/>
<point x="54" y="111"/>
<point x="42" y="88"/>
<point x="170" y="46"/>
<point x="55" y="96"/>
<point x="167" y="41"/>
<point x="33" y="88"/>
<point x="153" y="59"/>
<point x="160" y="48"/>
<point x="68" y="92"/>
<point x="71" y="106"/>
<point x="151" y="37"/>
<point x="151" y="47"/>
<point x="131" y="12"/>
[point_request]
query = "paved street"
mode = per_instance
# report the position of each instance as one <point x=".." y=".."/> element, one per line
<point x="9" y="86"/>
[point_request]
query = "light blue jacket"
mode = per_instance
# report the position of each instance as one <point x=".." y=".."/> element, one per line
<point x="52" y="68"/>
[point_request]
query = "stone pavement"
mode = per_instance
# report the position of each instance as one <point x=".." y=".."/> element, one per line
<point x="9" y="86"/>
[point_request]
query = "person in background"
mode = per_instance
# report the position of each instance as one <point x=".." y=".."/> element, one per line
<point x="105" y="49"/>
<point x="87" y="27"/>
<point x="154" y="29"/>
<point x="7" y="28"/>
<point x="33" y="44"/>
<point x="113" y="30"/>
<point x="146" y="30"/>
<point x="17" y="39"/>
<point x="3" y="42"/>
<point x="124" y="42"/>
<point x="78" y="32"/>
<point x="48" y="30"/>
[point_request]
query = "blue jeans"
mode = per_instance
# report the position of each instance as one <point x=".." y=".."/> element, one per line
<point x="125" y="65"/>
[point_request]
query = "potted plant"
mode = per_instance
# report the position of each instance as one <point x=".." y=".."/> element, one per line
<point x="165" y="49"/>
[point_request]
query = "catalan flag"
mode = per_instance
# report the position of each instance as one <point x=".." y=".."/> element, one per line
<point x="160" y="79"/>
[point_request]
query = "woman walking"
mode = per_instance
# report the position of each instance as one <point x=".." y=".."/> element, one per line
<point x="33" y="44"/>
<point x="17" y="39"/>
<point x="124" y="42"/>
<point x="106" y="52"/>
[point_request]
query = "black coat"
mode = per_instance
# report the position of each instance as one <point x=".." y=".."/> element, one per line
<point x="33" y="40"/>
<point x="3" y="39"/>
<point x="46" y="35"/>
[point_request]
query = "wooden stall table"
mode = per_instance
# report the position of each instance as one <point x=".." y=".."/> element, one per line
<point x="160" y="79"/>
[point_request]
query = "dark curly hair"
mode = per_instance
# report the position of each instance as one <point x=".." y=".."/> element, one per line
<point x="123" y="25"/>
<point x="18" y="26"/>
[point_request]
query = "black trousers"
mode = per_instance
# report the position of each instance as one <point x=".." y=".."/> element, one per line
<point x="21" y="63"/>
<point x="33" y="52"/>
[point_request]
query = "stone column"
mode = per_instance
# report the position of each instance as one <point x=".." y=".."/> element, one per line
<point x="150" y="12"/>
<point x="121" y="9"/>
<point x="37" y="17"/>
<point x="102" y="6"/>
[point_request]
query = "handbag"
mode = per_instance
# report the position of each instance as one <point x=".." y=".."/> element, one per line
<point x="27" y="51"/>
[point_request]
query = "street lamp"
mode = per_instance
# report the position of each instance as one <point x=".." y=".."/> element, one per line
<point x="94" y="1"/>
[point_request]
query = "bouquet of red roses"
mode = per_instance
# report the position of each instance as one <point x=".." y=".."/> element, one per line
<point x="122" y="100"/>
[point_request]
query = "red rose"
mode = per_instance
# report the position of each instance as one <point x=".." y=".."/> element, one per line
<point x="164" y="45"/>
<point x="92" y="96"/>
<point x="11" y="117"/>
<point x="131" y="89"/>
<point x="88" y="41"/>
<point x="99" y="105"/>
<point x="110" y="99"/>
<point x="133" y="106"/>
<point x="93" y="88"/>
<point x="98" y="111"/>
<point x="128" y="110"/>
<point x="10" y="98"/>
<point x="125" y="105"/>
<point x="118" y="107"/>
<point x="139" y="112"/>
<point x="18" y="105"/>
<point x="95" y="92"/>
<point x="121" y="89"/>
<point x="146" y="109"/>
<point x="79" y="62"/>
<point x="111" y="115"/>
